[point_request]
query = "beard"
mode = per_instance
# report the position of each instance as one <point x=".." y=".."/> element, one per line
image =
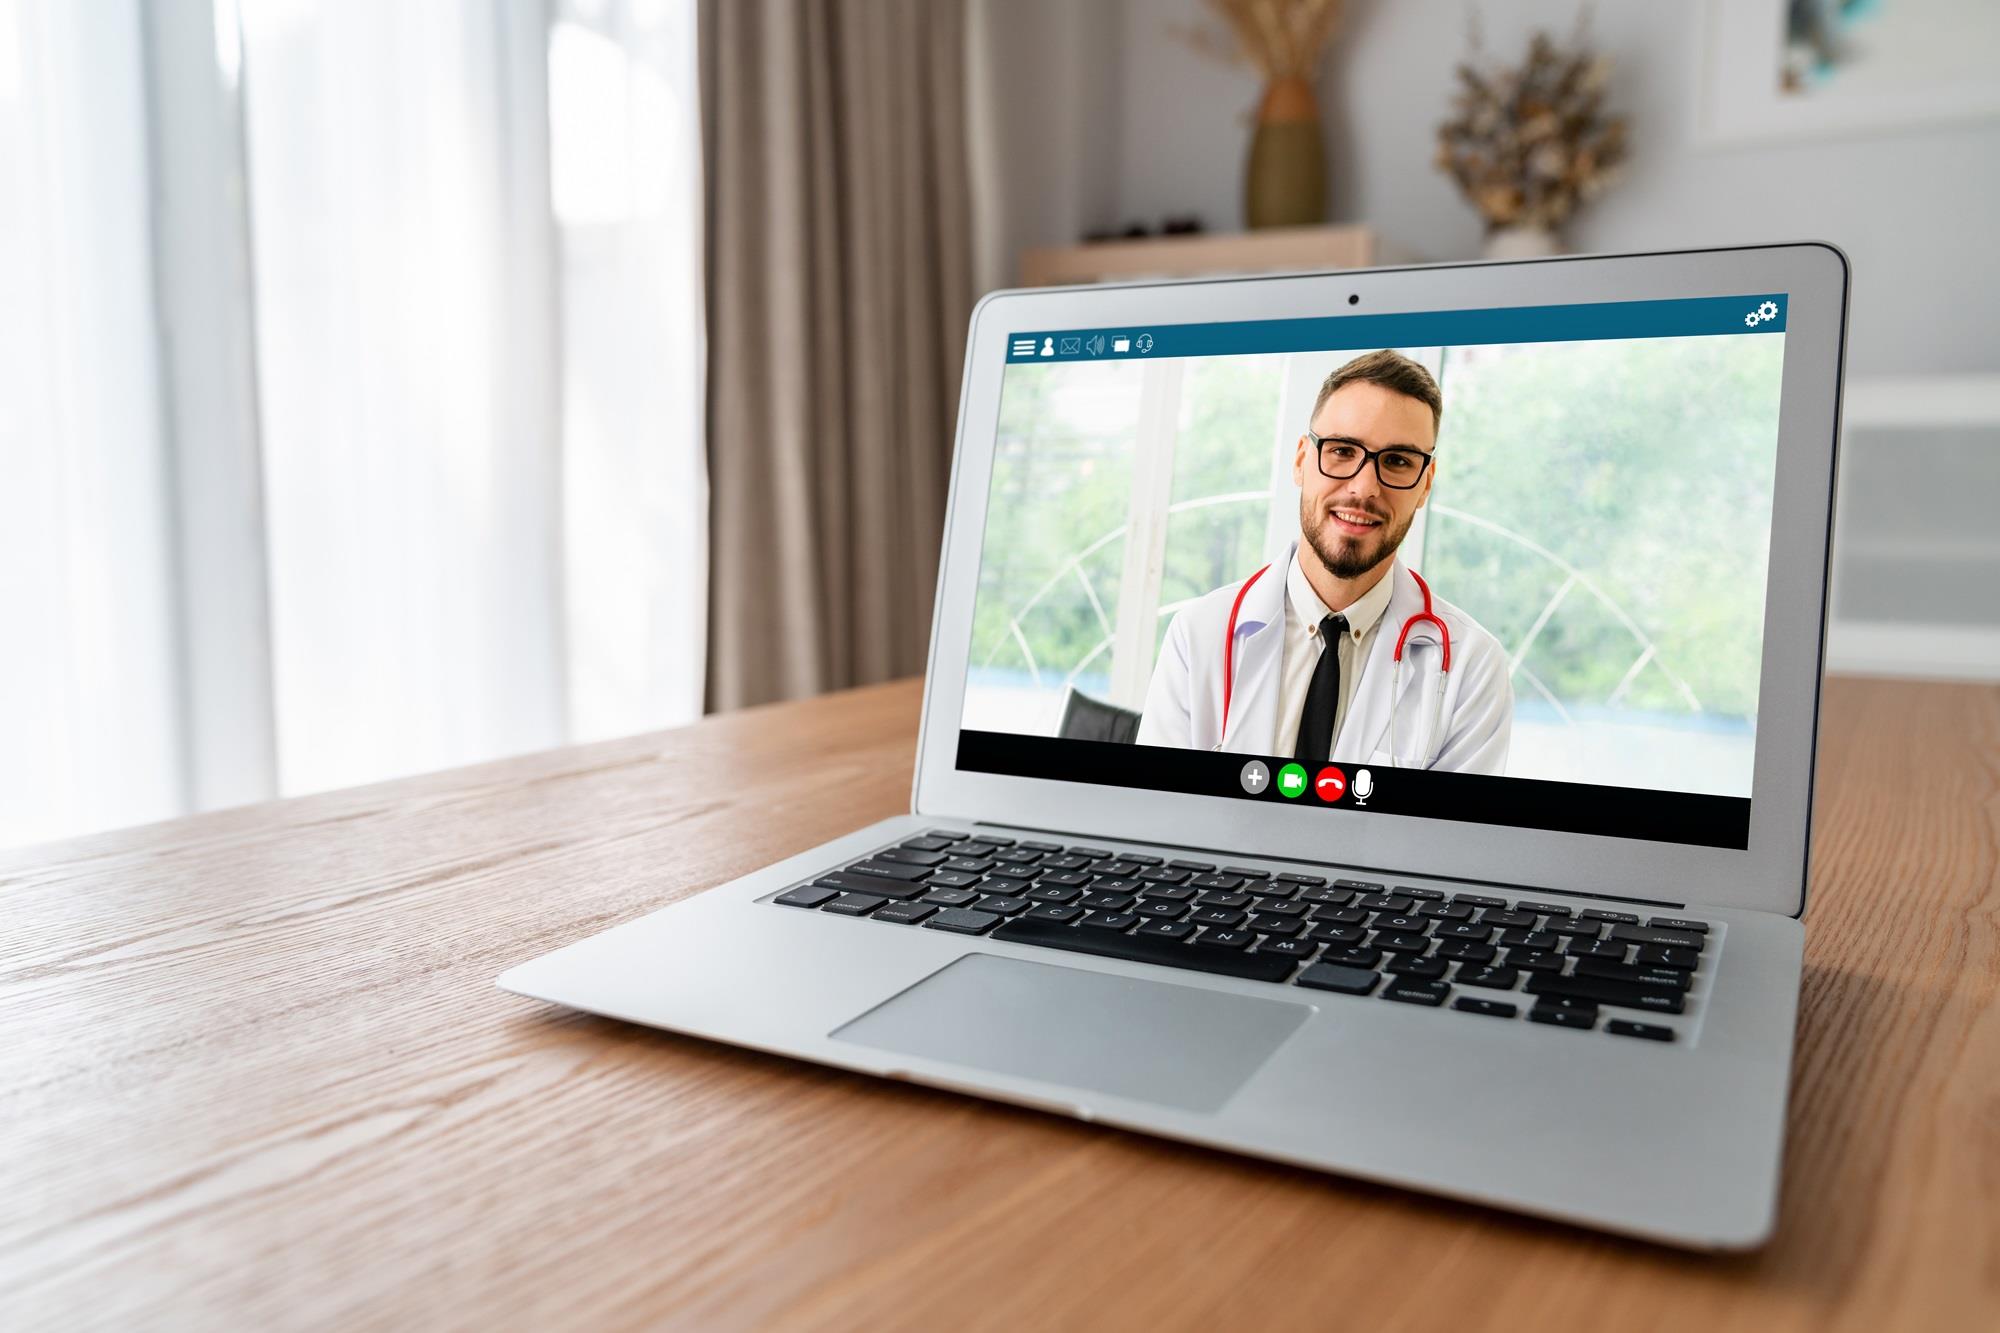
<point x="1348" y="557"/>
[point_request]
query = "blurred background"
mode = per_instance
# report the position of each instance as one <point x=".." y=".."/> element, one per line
<point x="389" y="386"/>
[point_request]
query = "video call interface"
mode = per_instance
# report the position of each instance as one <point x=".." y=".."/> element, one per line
<point x="1497" y="566"/>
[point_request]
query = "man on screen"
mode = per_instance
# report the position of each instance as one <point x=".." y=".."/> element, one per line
<point x="1299" y="657"/>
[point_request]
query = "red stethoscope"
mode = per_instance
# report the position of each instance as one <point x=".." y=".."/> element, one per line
<point x="1423" y="617"/>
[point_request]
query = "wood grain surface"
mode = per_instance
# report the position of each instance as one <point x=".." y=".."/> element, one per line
<point x="256" y="1074"/>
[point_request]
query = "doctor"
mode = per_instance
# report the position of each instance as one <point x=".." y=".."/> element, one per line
<point x="1298" y="658"/>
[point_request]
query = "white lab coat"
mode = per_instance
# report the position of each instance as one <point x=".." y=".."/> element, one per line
<point x="1184" y="701"/>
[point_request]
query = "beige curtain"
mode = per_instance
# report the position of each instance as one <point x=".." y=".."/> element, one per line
<point x="839" y="285"/>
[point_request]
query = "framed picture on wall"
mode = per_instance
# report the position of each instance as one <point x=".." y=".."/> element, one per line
<point x="1799" y="69"/>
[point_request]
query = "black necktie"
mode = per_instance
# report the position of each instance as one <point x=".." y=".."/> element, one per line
<point x="1315" y="742"/>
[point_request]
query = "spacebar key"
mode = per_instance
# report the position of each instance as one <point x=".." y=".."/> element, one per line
<point x="1142" y="949"/>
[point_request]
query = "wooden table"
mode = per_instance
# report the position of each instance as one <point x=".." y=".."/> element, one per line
<point x="256" y="1074"/>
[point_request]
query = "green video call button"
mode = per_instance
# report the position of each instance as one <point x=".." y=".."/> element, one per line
<point x="1292" y="782"/>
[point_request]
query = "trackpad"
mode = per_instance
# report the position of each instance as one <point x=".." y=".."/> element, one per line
<point x="1147" y="1040"/>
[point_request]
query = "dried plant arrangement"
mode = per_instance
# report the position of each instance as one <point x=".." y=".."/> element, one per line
<point x="1526" y="146"/>
<point x="1280" y="39"/>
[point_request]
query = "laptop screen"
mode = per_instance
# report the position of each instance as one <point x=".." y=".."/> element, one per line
<point x="1497" y="565"/>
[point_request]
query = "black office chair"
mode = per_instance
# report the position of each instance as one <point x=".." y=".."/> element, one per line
<point x="1088" y="719"/>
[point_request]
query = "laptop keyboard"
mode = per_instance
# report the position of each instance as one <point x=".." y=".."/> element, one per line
<point x="1479" y="954"/>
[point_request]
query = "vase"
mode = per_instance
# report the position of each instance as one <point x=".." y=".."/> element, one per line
<point x="1285" y="183"/>
<point x="1521" y="243"/>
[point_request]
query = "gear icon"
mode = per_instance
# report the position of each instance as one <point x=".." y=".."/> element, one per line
<point x="1752" y="319"/>
<point x="1768" y="310"/>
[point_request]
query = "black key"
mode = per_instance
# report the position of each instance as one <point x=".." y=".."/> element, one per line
<point x="1223" y="882"/>
<point x="1340" y="935"/>
<point x="1339" y="916"/>
<point x="905" y="914"/>
<point x="1065" y="878"/>
<point x="1466" y="951"/>
<point x="1116" y="868"/>
<point x="1673" y="939"/>
<point x="1421" y="895"/>
<point x="1495" y="1008"/>
<point x="1110" y="920"/>
<point x="1309" y="881"/>
<point x="1015" y="872"/>
<point x="1665" y="978"/>
<point x="1092" y="853"/>
<point x="891" y="870"/>
<point x="1195" y="956"/>
<point x="1529" y="939"/>
<point x="1679" y="923"/>
<point x="1154" y="909"/>
<point x="1270" y="907"/>
<point x="1244" y="872"/>
<point x="1535" y="960"/>
<point x="910" y="856"/>
<point x="1054" y="893"/>
<point x="1612" y="918"/>
<point x="1288" y="948"/>
<point x="1329" y="897"/>
<point x="1401" y="941"/>
<point x="1556" y="1015"/>
<point x="854" y="904"/>
<point x="1384" y="902"/>
<point x="1042" y="846"/>
<point x="1213" y="899"/>
<point x="952" y="879"/>
<point x="1658" y="955"/>
<point x="1220" y="938"/>
<point x="1445" y="911"/>
<point x="949" y="897"/>
<point x="1358" y="956"/>
<point x="1624" y="994"/>
<point x="1410" y="990"/>
<point x="1116" y="884"/>
<point x="1460" y="930"/>
<point x="806" y="896"/>
<point x="1166" y="930"/>
<point x="1334" y="977"/>
<point x="1004" y="906"/>
<point x="1200" y="867"/>
<point x="1275" y="925"/>
<point x="1069" y="861"/>
<point x="1545" y="909"/>
<point x="1478" y="900"/>
<point x="1218" y="916"/>
<point x="1271" y="893"/>
<point x="1401" y="921"/>
<point x="1408" y="965"/>
<point x="1138" y="859"/>
<point x="976" y="865"/>
<point x="1575" y="930"/>
<point x="1018" y="856"/>
<point x="1510" y="920"/>
<point x="1108" y="902"/>
<point x="968" y="921"/>
<point x="1054" y="912"/>
<point x="1493" y="978"/>
<point x="1611" y="951"/>
<point x="1162" y="875"/>
<point x="930" y="842"/>
<point x="991" y="839"/>
<point x="879" y="885"/>
<point x="1357" y="885"/>
<point x="1625" y="1027"/>
<point x="1168" y="893"/>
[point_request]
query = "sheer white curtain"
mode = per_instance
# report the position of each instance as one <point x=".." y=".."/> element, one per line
<point x="467" y="509"/>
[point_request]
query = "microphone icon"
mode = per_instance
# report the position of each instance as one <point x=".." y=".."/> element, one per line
<point x="1363" y="786"/>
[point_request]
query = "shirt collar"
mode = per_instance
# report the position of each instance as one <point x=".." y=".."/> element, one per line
<point x="1310" y="610"/>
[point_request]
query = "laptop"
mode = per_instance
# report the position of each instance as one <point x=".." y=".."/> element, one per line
<point x="1369" y="725"/>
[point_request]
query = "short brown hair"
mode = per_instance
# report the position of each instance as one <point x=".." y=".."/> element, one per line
<point x="1393" y="371"/>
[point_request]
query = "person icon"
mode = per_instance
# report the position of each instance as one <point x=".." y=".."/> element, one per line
<point x="1048" y="347"/>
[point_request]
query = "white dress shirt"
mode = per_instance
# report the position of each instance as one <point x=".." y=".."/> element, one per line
<point x="1303" y="612"/>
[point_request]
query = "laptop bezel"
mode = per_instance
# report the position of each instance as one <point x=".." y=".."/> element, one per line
<point x="1770" y="875"/>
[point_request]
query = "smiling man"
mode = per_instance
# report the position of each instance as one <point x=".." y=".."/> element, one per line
<point x="1299" y="658"/>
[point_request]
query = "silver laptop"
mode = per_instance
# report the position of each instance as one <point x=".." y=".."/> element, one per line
<point x="1369" y="725"/>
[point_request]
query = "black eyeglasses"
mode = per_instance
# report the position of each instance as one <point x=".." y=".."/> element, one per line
<point x="1399" y="468"/>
